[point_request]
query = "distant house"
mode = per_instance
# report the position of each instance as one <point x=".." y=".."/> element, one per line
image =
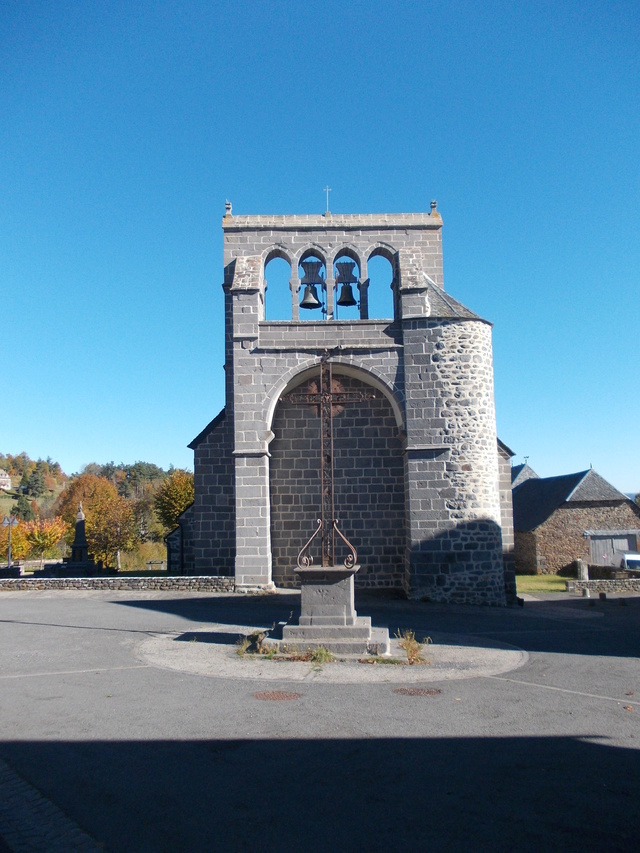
<point x="5" y="480"/>
<point x="576" y="516"/>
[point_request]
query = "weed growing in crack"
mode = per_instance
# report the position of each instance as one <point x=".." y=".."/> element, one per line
<point x="413" y="648"/>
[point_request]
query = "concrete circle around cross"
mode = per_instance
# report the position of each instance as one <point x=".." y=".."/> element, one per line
<point x="211" y="651"/>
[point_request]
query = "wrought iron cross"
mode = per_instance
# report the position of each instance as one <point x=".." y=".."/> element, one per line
<point x="326" y="399"/>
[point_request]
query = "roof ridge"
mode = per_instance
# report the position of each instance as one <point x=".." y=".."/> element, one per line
<point x="579" y="483"/>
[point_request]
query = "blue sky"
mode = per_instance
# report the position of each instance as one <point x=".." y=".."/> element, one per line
<point x="125" y="126"/>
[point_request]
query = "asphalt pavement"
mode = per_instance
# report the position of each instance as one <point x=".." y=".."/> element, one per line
<point x="130" y="724"/>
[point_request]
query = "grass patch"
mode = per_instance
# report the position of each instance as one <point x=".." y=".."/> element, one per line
<point x="540" y="583"/>
<point x="321" y="655"/>
<point x="136" y="562"/>
<point x="242" y="645"/>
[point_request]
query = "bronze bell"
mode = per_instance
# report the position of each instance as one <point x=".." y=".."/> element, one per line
<point x="346" y="297"/>
<point x="310" y="298"/>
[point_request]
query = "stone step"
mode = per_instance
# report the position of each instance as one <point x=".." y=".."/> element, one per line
<point x="302" y="633"/>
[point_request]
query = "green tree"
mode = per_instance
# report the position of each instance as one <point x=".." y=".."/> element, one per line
<point x="24" y="481"/>
<point x="173" y="497"/>
<point x="147" y="524"/>
<point x="36" y="486"/>
<point x="23" y="509"/>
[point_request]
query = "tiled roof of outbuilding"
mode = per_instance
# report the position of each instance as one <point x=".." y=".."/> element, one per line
<point x="535" y="499"/>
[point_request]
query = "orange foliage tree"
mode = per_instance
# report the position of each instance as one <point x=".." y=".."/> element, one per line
<point x="110" y="519"/>
<point x="173" y="497"/>
<point x="43" y="535"/>
<point x="88" y="490"/>
<point x="19" y="545"/>
<point x="111" y="528"/>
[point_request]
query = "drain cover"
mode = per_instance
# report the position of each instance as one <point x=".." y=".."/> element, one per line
<point x="276" y="695"/>
<point x="417" y="691"/>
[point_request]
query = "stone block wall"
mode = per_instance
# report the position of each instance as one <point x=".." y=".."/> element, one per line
<point x="560" y="539"/>
<point x="415" y="237"/>
<point x="527" y="561"/>
<point x="151" y="584"/>
<point x="506" y="521"/>
<point x="369" y="486"/>
<point x="454" y="497"/>
<point x="212" y="516"/>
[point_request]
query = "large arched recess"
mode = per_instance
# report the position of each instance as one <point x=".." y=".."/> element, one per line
<point x="369" y="488"/>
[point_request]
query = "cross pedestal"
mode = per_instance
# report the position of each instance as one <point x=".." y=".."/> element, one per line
<point x="328" y="617"/>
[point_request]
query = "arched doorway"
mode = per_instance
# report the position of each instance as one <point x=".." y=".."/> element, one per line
<point x="369" y="486"/>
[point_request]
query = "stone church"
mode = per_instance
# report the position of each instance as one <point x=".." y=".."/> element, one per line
<point x="420" y="483"/>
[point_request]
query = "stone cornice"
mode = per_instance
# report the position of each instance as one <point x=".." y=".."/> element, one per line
<point x="335" y="222"/>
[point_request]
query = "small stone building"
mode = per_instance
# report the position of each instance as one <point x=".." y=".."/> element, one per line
<point x="421" y="483"/>
<point x="576" y="516"/>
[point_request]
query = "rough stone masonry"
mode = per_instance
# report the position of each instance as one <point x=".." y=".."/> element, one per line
<point x="420" y="485"/>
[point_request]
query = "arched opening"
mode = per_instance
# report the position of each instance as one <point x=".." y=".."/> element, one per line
<point x="381" y="291"/>
<point x="312" y="297"/>
<point x="369" y="490"/>
<point x="277" y="273"/>
<point x="347" y="300"/>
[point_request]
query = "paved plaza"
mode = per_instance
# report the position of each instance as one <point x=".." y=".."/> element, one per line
<point x="130" y="724"/>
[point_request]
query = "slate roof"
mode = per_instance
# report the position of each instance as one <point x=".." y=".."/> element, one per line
<point x="443" y="306"/>
<point x="520" y="473"/>
<point x="205" y="432"/>
<point x="537" y="498"/>
<point x="505" y="447"/>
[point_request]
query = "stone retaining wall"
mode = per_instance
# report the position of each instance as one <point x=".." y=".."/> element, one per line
<point x="616" y="585"/>
<point x="153" y="584"/>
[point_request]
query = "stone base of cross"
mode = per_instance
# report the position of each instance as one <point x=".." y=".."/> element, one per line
<point x="328" y="617"/>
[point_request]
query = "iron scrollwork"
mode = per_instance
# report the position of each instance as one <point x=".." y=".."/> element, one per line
<point x="305" y="560"/>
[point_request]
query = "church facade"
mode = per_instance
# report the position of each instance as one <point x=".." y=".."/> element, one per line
<point x="420" y="482"/>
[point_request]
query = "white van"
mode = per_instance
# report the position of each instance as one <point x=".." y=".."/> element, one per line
<point x="630" y="562"/>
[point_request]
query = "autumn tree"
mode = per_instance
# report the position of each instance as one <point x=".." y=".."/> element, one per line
<point x="43" y="534"/>
<point x="88" y="490"/>
<point x="173" y="497"/>
<point x="19" y="544"/>
<point x="111" y="528"/>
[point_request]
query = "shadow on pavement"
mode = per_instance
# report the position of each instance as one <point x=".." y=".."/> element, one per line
<point x="569" y="626"/>
<point x="221" y="638"/>
<point x="525" y="794"/>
